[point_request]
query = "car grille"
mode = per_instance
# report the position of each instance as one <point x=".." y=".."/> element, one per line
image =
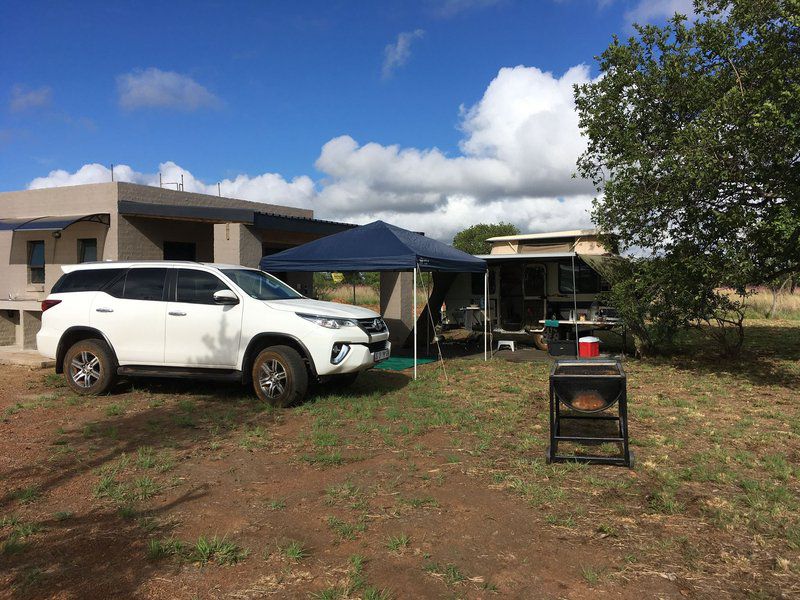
<point x="376" y="325"/>
<point x="377" y="346"/>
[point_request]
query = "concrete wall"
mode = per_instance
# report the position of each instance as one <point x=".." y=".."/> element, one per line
<point x="9" y="321"/>
<point x="397" y="299"/>
<point x="31" y="323"/>
<point x="142" y="238"/>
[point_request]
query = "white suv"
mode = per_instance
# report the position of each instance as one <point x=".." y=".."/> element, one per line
<point x="173" y="319"/>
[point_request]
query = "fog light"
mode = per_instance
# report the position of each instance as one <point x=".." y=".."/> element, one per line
<point x="339" y="352"/>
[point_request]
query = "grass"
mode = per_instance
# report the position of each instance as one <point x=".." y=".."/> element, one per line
<point x="397" y="543"/>
<point x="205" y="550"/>
<point x="787" y="306"/>
<point x="344" y="529"/>
<point x="28" y="494"/>
<point x="294" y="551"/>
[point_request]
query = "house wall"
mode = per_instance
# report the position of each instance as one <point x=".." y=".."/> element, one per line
<point x="142" y="238"/>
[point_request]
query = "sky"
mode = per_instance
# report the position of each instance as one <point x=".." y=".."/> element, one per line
<point x="429" y="114"/>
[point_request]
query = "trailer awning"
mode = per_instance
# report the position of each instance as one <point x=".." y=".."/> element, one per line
<point x="51" y="223"/>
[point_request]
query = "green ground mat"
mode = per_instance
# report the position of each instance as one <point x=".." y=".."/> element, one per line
<point x="401" y="363"/>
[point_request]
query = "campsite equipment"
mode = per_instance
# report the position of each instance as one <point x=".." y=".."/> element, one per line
<point x="588" y="389"/>
<point x="379" y="246"/>
<point x="589" y="347"/>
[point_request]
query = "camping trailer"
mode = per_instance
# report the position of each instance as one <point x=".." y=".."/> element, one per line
<point x="531" y="278"/>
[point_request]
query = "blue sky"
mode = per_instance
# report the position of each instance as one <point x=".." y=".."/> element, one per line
<point x="257" y="90"/>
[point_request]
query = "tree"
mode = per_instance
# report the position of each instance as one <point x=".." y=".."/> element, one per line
<point x="694" y="142"/>
<point x="473" y="239"/>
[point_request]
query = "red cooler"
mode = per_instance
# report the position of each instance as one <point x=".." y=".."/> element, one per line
<point x="588" y="347"/>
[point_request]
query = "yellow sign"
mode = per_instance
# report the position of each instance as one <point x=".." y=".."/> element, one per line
<point x="337" y="277"/>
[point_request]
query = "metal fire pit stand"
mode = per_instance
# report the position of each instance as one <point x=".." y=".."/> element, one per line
<point x="625" y="458"/>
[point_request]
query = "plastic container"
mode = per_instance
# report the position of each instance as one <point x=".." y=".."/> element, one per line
<point x="588" y="347"/>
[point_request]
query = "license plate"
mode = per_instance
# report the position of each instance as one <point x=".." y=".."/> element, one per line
<point x="380" y="355"/>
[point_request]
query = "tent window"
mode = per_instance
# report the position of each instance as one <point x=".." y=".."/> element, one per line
<point x="587" y="280"/>
<point x="36" y="261"/>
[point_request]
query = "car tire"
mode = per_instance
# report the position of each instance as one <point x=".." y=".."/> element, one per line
<point x="279" y="376"/>
<point x="90" y="367"/>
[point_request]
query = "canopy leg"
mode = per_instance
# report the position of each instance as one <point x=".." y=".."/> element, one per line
<point x="485" y="313"/>
<point x="575" y="307"/>
<point x="414" y="313"/>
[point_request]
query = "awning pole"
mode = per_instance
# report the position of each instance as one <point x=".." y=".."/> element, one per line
<point x="575" y="307"/>
<point x="414" y="313"/>
<point x="485" y="312"/>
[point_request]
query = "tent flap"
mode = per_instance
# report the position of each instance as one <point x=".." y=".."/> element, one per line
<point x="377" y="246"/>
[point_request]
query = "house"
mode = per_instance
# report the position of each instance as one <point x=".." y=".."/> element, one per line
<point x="42" y="229"/>
<point x="531" y="279"/>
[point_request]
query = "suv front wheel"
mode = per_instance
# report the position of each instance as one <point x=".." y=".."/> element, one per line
<point x="89" y="367"/>
<point x="279" y="376"/>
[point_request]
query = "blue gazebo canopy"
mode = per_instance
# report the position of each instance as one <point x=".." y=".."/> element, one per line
<point x="377" y="246"/>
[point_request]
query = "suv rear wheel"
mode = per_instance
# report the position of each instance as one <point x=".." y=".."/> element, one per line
<point x="89" y="367"/>
<point x="279" y="376"/>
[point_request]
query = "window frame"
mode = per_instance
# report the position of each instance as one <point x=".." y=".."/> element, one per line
<point x="124" y="278"/>
<point x="82" y="250"/>
<point x="30" y="267"/>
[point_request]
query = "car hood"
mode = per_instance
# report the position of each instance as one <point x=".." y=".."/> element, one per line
<point x="318" y="307"/>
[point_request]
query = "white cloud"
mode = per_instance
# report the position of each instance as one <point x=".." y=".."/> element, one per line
<point x="451" y="8"/>
<point x="397" y="54"/>
<point x="521" y="141"/>
<point x="24" y="98"/>
<point x="515" y="163"/>
<point x="268" y="187"/>
<point x="154" y="88"/>
<point x="646" y="11"/>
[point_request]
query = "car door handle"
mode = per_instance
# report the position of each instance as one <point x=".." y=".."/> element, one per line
<point x="177" y="313"/>
<point x="104" y="310"/>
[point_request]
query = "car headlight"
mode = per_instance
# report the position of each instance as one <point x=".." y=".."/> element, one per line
<point x="328" y="322"/>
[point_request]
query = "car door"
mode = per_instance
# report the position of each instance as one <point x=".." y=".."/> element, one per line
<point x="131" y="313"/>
<point x="200" y="332"/>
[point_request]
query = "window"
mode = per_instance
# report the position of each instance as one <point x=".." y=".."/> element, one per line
<point x="139" y="284"/>
<point x="180" y="251"/>
<point x="36" y="261"/>
<point x="587" y="280"/>
<point x="260" y="285"/>
<point x="87" y="250"/>
<point x="90" y="280"/>
<point x="198" y="287"/>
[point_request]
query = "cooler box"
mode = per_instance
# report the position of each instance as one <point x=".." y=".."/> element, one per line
<point x="589" y="347"/>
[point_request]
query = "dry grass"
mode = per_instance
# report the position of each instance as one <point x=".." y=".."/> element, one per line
<point x="788" y="305"/>
<point x="365" y="295"/>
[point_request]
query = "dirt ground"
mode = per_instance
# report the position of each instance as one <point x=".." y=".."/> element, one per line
<point x="401" y="489"/>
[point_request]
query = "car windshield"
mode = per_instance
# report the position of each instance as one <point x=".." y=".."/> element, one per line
<point x="260" y="285"/>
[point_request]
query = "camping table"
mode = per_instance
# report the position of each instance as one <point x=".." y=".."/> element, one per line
<point x="605" y="324"/>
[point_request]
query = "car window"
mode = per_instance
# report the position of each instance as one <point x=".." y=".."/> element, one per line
<point x="90" y="280"/>
<point x="140" y="284"/>
<point x="198" y="287"/>
<point x="260" y="285"/>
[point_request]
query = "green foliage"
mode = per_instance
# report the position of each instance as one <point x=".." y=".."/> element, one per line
<point x="473" y="239"/>
<point x="693" y="133"/>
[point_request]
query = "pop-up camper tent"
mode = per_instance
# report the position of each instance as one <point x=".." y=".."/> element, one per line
<point x="379" y="246"/>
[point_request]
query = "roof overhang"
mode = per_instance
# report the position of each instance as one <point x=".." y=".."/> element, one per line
<point x="211" y="214"/>
<point x="298" y="224"/>
<point x="52" y="224"/>
<point x="529" y="257"/>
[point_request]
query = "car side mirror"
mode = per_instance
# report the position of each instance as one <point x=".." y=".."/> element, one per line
<point x="225" y="297"/>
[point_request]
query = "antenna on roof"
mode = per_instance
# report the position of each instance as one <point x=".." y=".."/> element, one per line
<point x="219" y="191"/>
<point x="112" y="171"/>
<point x="181" y="181"/>
<point x="178" y="184"/>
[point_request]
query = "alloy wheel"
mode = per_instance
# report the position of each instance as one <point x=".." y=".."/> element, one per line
<point x="272" y="378"/>
<point x="85" y="369"/>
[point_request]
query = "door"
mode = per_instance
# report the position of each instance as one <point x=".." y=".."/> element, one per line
<point x="131" y="313"/>
<point x="200" y="332"/>
<point x="512" y="310"/>
<point x="535" y="290"/>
